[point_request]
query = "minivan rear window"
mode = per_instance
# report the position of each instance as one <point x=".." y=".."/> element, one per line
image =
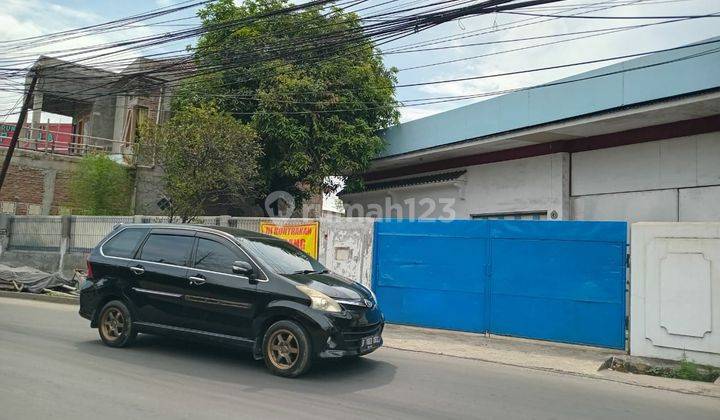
<point x="167" y="249"/>
<point x="124" y="243"/>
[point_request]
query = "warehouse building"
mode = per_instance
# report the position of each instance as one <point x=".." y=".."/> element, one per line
<point x="634" y="141"/>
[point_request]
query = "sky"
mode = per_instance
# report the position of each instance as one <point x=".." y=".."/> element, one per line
<point x="24" y="18"/>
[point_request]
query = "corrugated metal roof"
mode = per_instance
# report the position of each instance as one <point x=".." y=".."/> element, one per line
<point x="417" y="180"/>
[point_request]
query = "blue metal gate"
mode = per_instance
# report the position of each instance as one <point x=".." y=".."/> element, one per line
<point x="559" y="281"/>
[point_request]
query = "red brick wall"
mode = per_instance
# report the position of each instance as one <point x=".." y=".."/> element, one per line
<point x="24" y="185"/>
<point x="61" y="196"/>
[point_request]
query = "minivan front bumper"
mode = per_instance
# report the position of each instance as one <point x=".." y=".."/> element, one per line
<point x="350" y="332"/>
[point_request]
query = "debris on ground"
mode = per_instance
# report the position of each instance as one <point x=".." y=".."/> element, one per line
<point x="32" y="280"/>
<point x="684" y="369"/>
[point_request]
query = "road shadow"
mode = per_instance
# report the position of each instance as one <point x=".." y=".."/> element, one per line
<point x="237" y="366"/>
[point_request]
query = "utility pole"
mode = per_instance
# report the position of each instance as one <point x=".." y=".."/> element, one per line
<point x="18" y="127"/>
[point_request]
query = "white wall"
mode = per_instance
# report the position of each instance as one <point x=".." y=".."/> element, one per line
<point x="533" y="184"/>
<point x="642" y="206"/>
<point x="700" y="204"/>
<point x="675" y="291"/>
<point x="674" y="163"/>
<point x="346" y="247"/>
<point x="668" y="180"/>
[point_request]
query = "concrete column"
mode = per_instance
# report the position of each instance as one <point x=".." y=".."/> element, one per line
<point x="5" y="226"/>
<point x="35" y="118"/>
<point x="65" y="229"/>
<point x="48" y="190"/>
<point x="559" y="208"/>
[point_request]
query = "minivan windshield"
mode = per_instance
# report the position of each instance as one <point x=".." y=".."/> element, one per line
<point x="282" y="256"/>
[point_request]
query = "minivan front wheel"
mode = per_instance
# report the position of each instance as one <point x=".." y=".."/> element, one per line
<point x="286" y="349"/>
<point x="115" y="325"/>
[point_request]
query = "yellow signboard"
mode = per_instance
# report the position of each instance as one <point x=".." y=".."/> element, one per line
<point x="303" y="236"/>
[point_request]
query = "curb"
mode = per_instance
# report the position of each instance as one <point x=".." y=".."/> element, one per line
<point x="619" y="380"/>
<point x="39" y="297"/>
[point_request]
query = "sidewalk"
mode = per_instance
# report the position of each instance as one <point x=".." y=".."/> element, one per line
<point x="531" y="354"/>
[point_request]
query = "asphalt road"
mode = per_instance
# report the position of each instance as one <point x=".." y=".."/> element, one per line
<point x="52" y="365"/>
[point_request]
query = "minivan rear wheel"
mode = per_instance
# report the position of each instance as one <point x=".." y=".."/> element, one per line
<point x="286" y="349"/>
<point x="116" y="325"/>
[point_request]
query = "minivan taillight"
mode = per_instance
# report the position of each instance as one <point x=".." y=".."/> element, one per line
<point x="89" y="274"/>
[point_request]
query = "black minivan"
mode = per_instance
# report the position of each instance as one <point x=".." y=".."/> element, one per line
<point x="229" y="286"/>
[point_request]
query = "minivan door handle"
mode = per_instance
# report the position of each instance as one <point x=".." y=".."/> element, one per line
<point x="197" y="280"/>
<point x="137" y="269"/>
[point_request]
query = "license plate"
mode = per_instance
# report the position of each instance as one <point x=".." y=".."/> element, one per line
<point x="370" y="342"/>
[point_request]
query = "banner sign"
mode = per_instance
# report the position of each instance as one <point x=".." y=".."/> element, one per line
<point x="303" y="236"/>
<point x="57" y="136"/>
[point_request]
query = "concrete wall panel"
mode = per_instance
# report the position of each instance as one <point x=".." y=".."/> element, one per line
<point x="708" y="155"/>
<point x="346" y="247"/>
<point x="645" y="206"/>
<point x="675" y="291"/>
<point x="536" y="184"/>
<point x="675" y="163"/>
<point x="700" y="204"/>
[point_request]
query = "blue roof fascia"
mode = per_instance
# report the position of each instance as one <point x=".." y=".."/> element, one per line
<point x="644" y="79"/>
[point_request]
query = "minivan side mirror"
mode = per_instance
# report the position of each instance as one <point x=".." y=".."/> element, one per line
<point x="243" y="268"/>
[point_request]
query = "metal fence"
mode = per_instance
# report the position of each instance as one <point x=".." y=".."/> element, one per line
<point x="344" y="245"/>
<point x="87" y="231"/>
<point x="253" y="223"/>
<point x="44" y="233"/>
<point x="40" y="233"/>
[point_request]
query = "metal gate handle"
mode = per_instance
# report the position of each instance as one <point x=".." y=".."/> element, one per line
<point x="196" y="280"/>
<point x="137" y="270"/>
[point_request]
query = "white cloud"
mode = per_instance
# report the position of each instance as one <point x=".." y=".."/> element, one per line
<point x="620" y="43"/>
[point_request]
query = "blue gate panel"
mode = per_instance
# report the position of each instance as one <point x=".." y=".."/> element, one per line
<point x="568" y="291"/>
<point x="562" y="230"/>
<point x="432" y="274"/>
<point x="435" y="309"/>
<point x="559" y="281"/>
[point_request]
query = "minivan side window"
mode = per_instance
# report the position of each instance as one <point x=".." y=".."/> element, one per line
<point x="167" y="249"/>
<point x="123" y="244"/>
<point x="214" y="256"/>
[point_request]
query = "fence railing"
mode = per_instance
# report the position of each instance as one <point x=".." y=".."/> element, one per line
<point x="44" y="233"/>
<point x="35" y="232"/>
<point x="87" y="231"/>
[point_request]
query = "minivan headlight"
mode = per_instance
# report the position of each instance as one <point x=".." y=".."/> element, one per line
<point x="320" y="301"/>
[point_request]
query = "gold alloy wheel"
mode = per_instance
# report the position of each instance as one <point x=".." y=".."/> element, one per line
<point x="283" y="349"/>
<point x="113" y="324"/>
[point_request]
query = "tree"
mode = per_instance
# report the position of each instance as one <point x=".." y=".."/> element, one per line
<point x="208" y="159"/>
<point x="99" y="186"/>
<point x="316" y="101"/>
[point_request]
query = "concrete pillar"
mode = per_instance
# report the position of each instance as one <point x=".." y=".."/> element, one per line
<point x="48" y="190"/>
<point x="5" y="226"/>
<point x="559" y="208"/>
<point x="35" y="118"/>
<point x="65" y="229"/>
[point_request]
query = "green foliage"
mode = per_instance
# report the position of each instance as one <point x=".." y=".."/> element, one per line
<point x="691" y="371"/>
<point x="316" y="108"/>
<point x="99" y="186"/>
<point x="208" y="159"/>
